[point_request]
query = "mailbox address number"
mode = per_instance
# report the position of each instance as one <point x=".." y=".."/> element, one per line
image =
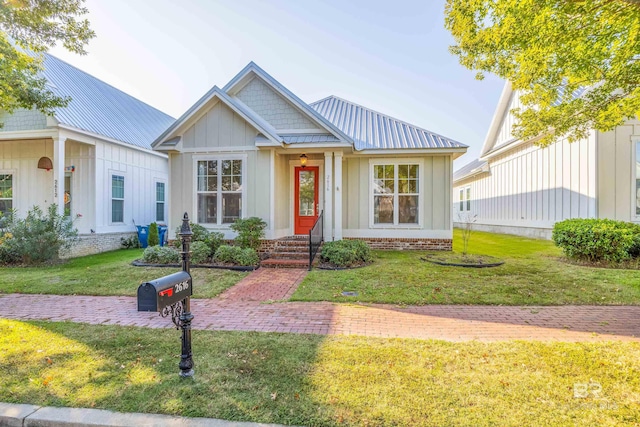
<point x="182" y="286"/>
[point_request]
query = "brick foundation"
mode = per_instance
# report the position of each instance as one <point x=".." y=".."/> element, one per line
<point x="90" y="244"/>
<point x="402" y="244"/>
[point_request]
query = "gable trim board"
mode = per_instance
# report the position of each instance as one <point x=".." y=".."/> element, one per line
<point x="345" y="165"/>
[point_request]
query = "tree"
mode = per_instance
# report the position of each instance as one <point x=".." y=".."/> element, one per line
<point x="28" y="28"/>
<point x="576" y="63"/>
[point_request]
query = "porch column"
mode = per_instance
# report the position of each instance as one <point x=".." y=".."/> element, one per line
<point x="337" y="233"/>
<point x="328" y="197"/>
<point x="58" y="173"/>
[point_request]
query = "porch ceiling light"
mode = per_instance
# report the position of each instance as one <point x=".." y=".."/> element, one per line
<point x="303" y="160"/>
<point x="45" y="163"/>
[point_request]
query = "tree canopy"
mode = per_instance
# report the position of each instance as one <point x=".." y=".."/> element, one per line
<point x="28" y="28"/>
<point x="576" y="63"/>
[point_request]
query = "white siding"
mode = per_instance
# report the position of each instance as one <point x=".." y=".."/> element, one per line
<point x="508" y="120"/>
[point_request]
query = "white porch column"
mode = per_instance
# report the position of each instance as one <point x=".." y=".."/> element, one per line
<point x="58" y="173"/>
<point x="328" y="197"/>
<point x="337" y="233"/>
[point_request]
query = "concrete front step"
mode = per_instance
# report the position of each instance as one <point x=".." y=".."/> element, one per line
<point x="285" y="263"/>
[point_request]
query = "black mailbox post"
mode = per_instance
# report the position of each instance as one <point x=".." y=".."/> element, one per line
<point x="171" y="296"/>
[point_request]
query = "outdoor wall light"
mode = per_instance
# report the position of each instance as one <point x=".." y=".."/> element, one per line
<point x="45" y="163"/>
<point x="303" y="160"/>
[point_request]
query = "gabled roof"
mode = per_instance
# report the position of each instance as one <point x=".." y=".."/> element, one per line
<point x="235" y="104"/>
<point x="100" y="108"/>
<point x="470" y="169"/>
<point x="371" y="130"/>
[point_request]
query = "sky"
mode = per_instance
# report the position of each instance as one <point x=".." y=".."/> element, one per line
<point x="391" y="56"/>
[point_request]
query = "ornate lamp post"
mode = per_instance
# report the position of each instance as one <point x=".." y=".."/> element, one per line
<point x="186" y="358"/>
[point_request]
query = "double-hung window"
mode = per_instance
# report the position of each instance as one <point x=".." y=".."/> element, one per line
<point x="6" y="193"/>
<point x="465" y="199"/>
<point x="396" y="194"/>
<point x="117" y="198"/>
<point x="160" y="194"/>
<point x="219" y="190"/>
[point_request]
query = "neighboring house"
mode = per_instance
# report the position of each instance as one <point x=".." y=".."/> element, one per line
<point x="237" y="153"/>
<point x="518" y="188"/>
<point x="103" y="172"/>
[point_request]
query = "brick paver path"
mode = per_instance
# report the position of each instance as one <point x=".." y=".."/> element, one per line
<point x="243" y="308"/>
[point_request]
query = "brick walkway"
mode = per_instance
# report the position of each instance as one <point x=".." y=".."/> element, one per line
<point x="243" y="308"/>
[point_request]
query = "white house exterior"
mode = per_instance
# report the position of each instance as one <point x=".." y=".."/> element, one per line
<point x="104" y="172"/>
<point x="237" y="153"/>
<point x="518" y="188"/>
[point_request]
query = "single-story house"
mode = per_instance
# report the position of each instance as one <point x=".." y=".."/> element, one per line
<point x="92" y="158"/>
<point x="519" y="188"/>
<point x="253" y="148"/>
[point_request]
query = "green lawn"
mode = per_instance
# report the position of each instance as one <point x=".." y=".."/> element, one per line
<point x="109" y="273"/>
<point x="320" y="381"/>
<point x="533" y="274"/>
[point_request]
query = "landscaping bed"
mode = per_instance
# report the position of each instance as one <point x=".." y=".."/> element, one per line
<point x="454" y="259"/>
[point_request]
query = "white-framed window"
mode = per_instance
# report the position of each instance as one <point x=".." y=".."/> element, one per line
<point x="220" y="189"/>
<point x="160" y="201"/>
<point x="636" y="185"/>
<point x="117" y="199"/>
<point x="395" y="193"/>
<point x="465" y="199"/>
<point x="6" y="193"/>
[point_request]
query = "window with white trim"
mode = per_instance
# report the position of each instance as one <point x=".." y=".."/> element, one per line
<point x="117" y="198"/>
<point x="219" y="190"/>
<point x="465" y="199"/>
<point x="6" y="193"/>
<point x="395" y="194"/>
<point x="160" y="200"/>
<point x="637" y="183"/>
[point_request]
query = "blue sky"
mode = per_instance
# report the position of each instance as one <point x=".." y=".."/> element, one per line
<point x="389" y="56"/>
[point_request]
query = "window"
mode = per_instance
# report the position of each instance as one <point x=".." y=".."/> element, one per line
<point x="219" y="191"/>
<point x="395" y="194"/>
<point x="461" y="200"/>
<point x="468" y="199"/>
<point x="465" y="199"/>
<point x="6" y="193"/>
<point x="637" y="192"/>
<point x="117" y="198"/>
<point x="160" y="201"/>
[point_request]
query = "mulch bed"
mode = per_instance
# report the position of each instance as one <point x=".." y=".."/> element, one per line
<point x="459" y="260"/>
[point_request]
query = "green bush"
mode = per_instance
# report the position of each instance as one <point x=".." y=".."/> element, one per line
<point x="131" y="242"/>
<point x="597" y="240"/>
<point x="250" y="232"/>
<point x="214" y="241"/>
<point x="160" y="255"/>
<point x="200" y="234"/>
<point x="154" y="236"/>
<point x="346" y="253"/>
<point x="37" y="238"/>
<point x="236" y="255"/>
<point x="199" y="252"/>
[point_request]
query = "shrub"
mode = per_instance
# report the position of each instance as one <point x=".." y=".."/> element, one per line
<point x="250" y="232"/>
<point x="39" y="237"/>
<point x="154" y="236"/>
<point x="199" y="252"/>
<point x="214" y="241"/>
<point x="200" y="234"/>
<point x="236" y="255"/>
<point x="345" y="253"/>
<point x="597" y="240"/>
<point x="160" y="255"/>
<point x="131" y="242"/>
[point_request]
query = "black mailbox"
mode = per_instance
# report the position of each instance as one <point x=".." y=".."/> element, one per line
<point x="165" y="291"/>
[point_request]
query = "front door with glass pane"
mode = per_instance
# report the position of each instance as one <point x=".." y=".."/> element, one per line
<point x="306" y="199"/>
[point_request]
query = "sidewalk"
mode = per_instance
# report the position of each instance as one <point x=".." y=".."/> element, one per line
<point x="252" y="305"/>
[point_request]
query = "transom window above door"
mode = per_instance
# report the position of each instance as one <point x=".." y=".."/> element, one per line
<point x="220" y="190"/>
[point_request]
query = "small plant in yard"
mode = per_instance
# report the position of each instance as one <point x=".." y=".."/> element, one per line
<point x="467" y="221"/>
<point x="154" y="236"/>
<point x="160" y="255"/>
<point x="37" y="238"/>
<point x="250" y="232"/>
<point x="130" y="243"/>
<point x="346" y="253"/>
<point x="236" y="255"/>
<point x="199" y="252"/>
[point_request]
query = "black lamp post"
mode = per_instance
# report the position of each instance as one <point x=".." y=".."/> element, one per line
<point x="186" y="358"/>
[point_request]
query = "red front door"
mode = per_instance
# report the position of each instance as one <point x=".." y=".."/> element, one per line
<point x="306" y="198"/>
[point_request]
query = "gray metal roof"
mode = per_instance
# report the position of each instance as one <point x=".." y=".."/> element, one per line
<point x="371" y="130"/>
<point x="469" y="169"/>
<point x="100" y="108"/>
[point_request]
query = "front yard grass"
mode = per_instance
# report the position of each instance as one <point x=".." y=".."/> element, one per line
<point x="109" y="273"/>
<point x="321" y="381"/>
<point x="533" y="274"/>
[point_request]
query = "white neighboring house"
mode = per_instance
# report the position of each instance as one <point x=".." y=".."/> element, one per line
<point x="104" y="173"/>
<point x="518" y="188"/>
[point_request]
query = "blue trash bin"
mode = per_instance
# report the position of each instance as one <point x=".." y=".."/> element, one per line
<point x="162" y="234"/>
<point x="143" y="235"/>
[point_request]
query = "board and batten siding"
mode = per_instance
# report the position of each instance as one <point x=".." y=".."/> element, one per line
<point x="531" y="188"/>
<point x="616" y="174"/>
<point x="434" y="213"/>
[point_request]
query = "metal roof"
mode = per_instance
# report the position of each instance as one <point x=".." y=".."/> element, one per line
<point x="371" y="130"/>
<point x="469" y="169"/>
<point x="100" y="108"/>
